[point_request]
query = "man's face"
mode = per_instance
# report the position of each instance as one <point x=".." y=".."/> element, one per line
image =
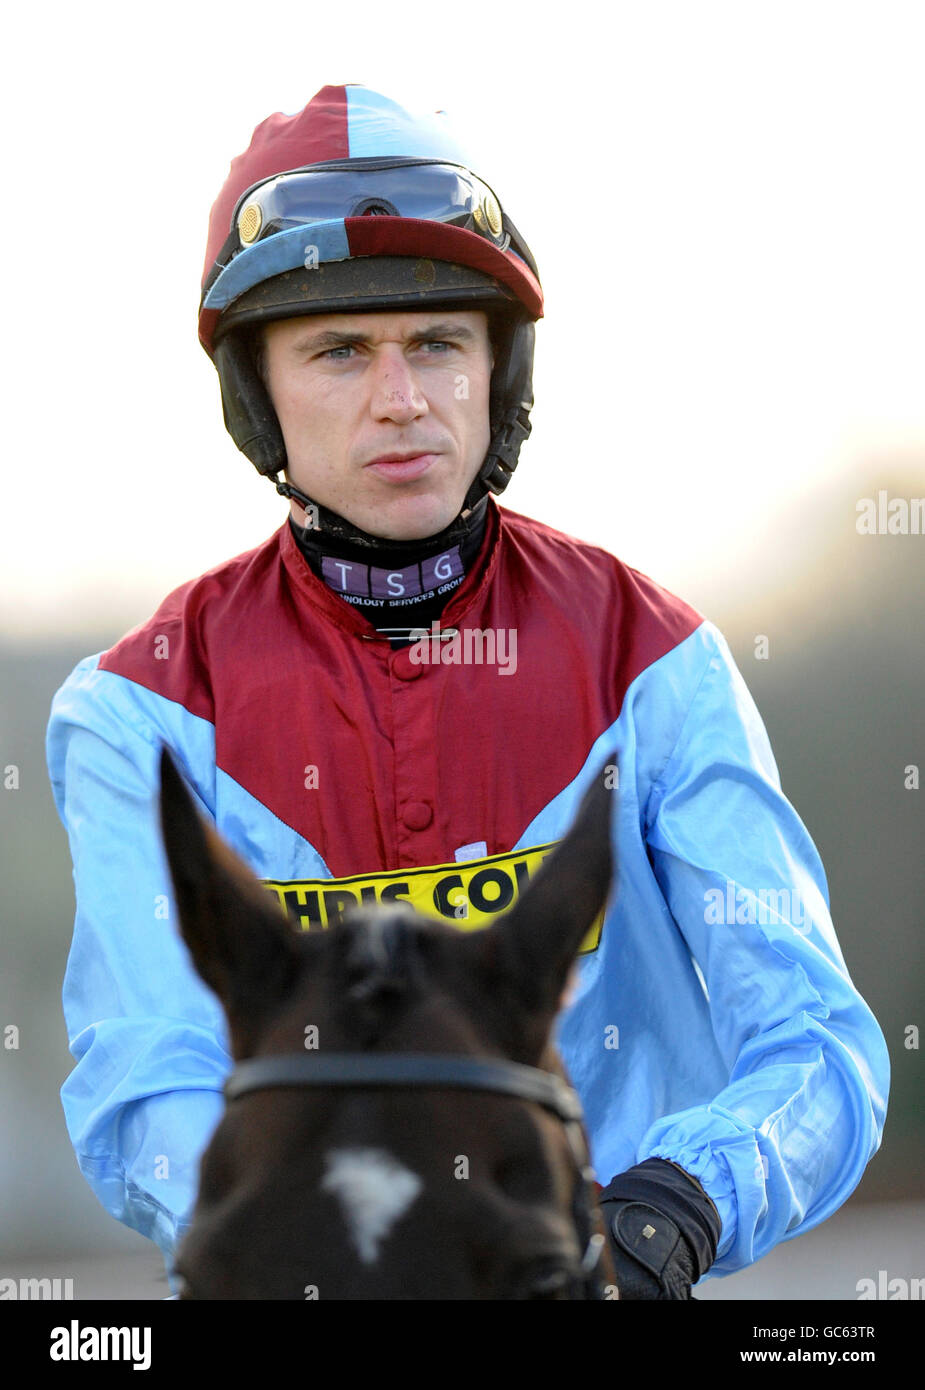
<point x="353" y="392"/>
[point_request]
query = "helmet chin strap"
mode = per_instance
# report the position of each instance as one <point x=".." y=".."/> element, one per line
<point x="330" y="523"/>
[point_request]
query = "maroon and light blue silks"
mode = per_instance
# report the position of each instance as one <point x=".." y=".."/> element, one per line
<point x="713" y="1022"/>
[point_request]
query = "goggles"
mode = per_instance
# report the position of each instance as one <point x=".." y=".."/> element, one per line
<point x="330" y="192"/>
<point x="421" y="188"/>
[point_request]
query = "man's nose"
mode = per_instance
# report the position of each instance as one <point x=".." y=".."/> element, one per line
<point x="396" y="391"/>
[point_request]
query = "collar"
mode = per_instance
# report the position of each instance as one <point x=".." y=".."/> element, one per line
<point x="401" y="586"/>
<point x="308" y="585"/>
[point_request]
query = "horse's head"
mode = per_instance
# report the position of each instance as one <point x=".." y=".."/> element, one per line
<point x="459" y="1185"/>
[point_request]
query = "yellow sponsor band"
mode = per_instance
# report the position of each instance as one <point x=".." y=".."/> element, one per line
<point x="469" y="895"/>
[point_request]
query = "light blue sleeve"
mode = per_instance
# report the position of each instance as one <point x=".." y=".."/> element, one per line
<point x="786" y="1141"/>
<point x="149" y="1038"/>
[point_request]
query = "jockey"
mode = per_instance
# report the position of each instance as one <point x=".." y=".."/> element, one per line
<point x="404" y="692"/>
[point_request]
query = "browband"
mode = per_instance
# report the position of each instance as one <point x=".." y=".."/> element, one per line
<point x="406" y="1069"/>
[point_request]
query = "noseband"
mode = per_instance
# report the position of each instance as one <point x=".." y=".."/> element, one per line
<point x="441" y="1071"/>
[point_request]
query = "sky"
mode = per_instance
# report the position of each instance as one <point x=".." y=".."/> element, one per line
<point x="725" y="200"/>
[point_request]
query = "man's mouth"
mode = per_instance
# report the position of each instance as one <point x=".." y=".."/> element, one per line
<point x="399" y="468"/>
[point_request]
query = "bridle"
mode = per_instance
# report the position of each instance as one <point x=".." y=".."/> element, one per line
<point x="447" y="1071"/>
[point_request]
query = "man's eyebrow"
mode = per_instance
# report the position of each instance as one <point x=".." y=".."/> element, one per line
<point x="331" y="338"/>
<point x="459" y="331"/>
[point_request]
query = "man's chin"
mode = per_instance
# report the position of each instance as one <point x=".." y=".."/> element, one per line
<point x="409" y="522"/>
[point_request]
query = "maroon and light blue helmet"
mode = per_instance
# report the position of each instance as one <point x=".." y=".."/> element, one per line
<point x="352" y="205"/>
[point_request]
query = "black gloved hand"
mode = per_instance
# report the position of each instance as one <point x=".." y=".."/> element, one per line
<point x="663" y="1230"/>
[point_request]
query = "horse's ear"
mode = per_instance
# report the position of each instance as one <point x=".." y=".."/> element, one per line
<point x="535" y="944"/>
<point x="241" y="943"/>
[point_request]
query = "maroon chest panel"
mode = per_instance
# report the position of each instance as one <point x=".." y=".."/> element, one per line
<point x="383" y="762"/>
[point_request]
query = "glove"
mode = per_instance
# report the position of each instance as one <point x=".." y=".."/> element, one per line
<point x="663" y="1230"/>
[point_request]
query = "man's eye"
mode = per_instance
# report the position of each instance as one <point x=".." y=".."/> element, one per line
<point x="332" y="351"/>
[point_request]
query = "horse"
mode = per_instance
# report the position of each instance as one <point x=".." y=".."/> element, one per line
<point x="398" y="1124"/>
